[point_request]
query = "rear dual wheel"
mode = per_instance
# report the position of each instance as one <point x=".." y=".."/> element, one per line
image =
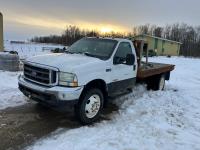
<point x="156" y="83"/>
<point x="161" y="83"/>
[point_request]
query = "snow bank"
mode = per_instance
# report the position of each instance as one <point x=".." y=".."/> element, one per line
<point x="150" y="120"/>
<point x="10" y="96"/>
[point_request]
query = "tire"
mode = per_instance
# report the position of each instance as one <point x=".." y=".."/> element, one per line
<point x="161" y="83"/>
<point x="156" y="83"/>
<point x="89" y="106"/>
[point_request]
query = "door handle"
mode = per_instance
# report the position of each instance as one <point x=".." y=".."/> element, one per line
<point x="108" y="70"/>
<point x="134" y="67"/>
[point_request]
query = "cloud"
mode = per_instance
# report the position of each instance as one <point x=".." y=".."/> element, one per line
<point x="60" y="24"/>
<point x="41" y="22"/>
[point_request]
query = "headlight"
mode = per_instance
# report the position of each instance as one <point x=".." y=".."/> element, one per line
<point x="68" y="79"/>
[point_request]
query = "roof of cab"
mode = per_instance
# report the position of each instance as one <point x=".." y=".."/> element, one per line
<point x="110" y="38"/>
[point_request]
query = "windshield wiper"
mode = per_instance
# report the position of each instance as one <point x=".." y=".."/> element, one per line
<point x="91" y="55"/>
<point x="84" y="53"/>
<point x="69" y="52"/>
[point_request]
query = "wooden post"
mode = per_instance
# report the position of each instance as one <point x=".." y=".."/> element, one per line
<point x="147" y="55"/>
<point x="141" y="50"/>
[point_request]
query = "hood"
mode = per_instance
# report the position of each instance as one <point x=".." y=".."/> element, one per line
<point x="65" y="62"/>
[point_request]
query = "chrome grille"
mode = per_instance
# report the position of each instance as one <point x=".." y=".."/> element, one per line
<point x="39" y="75"/>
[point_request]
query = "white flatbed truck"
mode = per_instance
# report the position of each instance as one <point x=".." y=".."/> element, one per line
<point x="90" y="71"/>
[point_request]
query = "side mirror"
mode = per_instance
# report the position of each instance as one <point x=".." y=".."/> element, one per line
<point x="130" y="59"/>
<point x="118" y="60"/>
<point x="115" y="60"/>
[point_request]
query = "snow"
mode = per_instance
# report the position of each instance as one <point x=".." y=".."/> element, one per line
<point x="9" y="93"/>
<point x="146" y="120"/>
<point x="168" y="119"/>
<point x="26" y="50"/>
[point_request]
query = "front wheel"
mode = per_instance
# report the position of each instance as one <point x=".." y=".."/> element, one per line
<point x="89" y="106"/>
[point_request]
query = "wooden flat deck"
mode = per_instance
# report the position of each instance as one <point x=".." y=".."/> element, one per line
<point x="151" y="69"/>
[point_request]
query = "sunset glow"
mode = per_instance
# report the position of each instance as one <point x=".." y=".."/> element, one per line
<point x="61" y="24"/>
<point x="105" y="30"/>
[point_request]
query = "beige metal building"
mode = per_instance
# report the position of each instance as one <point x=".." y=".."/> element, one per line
<point x="160" y="45"/>
<point x="1" y="32"/>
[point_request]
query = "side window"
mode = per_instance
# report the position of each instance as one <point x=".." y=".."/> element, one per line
<point x="121" y="53"/>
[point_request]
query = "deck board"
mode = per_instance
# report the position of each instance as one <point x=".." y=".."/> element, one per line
<point x="150" y="69"/>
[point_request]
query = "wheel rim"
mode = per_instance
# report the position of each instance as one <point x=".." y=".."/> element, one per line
<point x="162" y="83"/>
<point x="92" y="106"/>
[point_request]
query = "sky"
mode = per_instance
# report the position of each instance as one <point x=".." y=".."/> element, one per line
<point x="24" y="19"/>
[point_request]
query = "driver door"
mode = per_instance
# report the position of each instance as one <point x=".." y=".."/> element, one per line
<point x="123" y="76"/>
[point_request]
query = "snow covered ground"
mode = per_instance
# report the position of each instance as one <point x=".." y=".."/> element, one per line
<point x="9" y="93"/>
<point x="30" y="49"/>
<point x="146" y="120"/>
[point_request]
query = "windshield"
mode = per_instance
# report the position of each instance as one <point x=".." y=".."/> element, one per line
<point x="94" y="47"/>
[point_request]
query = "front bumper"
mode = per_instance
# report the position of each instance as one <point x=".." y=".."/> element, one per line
<point x="51" y="95"/>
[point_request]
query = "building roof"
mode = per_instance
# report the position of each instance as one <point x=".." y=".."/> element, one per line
<point x="159" y="38"/>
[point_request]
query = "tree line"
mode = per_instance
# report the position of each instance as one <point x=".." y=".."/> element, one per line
<point x="188" y="35"/>
<point x="71" y="35"/>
